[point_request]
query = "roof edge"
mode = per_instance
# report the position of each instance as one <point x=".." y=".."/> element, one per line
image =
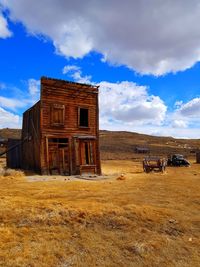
<point x="69" y="82"/>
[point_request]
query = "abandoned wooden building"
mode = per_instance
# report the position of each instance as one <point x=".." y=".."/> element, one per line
<point x="60" y="133"/>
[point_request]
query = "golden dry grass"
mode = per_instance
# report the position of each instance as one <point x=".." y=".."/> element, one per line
<point x="142" y="220"/>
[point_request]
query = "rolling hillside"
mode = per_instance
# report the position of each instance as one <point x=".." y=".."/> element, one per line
<point x="122" y="145"/>
<point x="10" y="133"/>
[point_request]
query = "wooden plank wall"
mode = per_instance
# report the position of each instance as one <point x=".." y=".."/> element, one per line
<point x="38" y="124"/>
<point x="31" y="132"/>
<point x="72" y="96"/>
<point x="14" y="156"/>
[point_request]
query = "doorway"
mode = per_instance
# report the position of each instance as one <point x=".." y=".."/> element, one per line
<point x="58" y="153"/>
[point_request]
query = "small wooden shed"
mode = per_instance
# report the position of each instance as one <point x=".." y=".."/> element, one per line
<point x="142" y="150"/>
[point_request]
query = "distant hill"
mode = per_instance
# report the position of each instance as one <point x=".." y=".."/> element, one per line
<point x="122" y="145"/>
<point x="10" y="133"/>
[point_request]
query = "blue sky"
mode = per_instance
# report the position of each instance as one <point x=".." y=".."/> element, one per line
<point x="144" y="55"/>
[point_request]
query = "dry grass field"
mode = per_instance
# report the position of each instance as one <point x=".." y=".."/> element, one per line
<point x="137" y="219"/>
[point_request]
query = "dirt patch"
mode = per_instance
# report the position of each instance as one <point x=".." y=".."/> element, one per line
<point x="61" y="178"/>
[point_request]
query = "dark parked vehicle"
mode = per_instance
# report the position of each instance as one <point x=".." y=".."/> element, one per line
<point x="177" y="160"/>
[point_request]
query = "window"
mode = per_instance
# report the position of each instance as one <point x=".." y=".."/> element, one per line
<point x="83" y="117"/>
<point x="57" y="115"/>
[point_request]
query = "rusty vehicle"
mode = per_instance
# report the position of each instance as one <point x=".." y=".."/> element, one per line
<point x="177" y="160"/>
<point x="154" y="163"/>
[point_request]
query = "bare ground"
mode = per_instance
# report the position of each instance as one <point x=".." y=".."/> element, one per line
<point x="134" y="219"/>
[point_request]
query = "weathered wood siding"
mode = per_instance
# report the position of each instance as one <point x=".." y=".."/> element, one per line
<point x="14" y="155"/>
<point x="61" y="132"/>
<point x="31" y="136"/>
<point x="71" y="96"/>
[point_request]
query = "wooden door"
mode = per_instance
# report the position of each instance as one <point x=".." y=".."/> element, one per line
<point x="58" y="159"/>
<point x="53" y="159"/>
<point x="64" y="160"/>
<point x="87" y="153"/>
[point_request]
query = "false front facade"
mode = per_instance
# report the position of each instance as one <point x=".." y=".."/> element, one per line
<point x="60" y="133"/>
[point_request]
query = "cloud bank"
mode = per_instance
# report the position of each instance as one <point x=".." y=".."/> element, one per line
<point x="151" y="37"/>
<point x="8" y="119"/>
<point x="127" y="102"/>
<point x="190" y="109"/>
<point x="123" y="102"/>
<point x="127" y="106"/>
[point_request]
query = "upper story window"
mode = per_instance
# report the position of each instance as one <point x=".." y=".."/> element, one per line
<point x="83" y="117"/>
<point x="57" y="114"/>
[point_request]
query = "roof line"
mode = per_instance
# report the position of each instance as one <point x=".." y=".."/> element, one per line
<point x="61" y="80"/>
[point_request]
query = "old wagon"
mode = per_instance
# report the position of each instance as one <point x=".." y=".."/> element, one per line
<point x="154" y="163"/>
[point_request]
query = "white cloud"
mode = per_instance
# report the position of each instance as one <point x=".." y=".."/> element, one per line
<point x="23" y="98"/>
<point x="33" y="87"/>
<point x="8" y="119"/>
<point x="129" y="103"/>
<point x="124" y="101"/>
<point x="4" y="31"/>
<point x="179" y="124"/>
<point x="11" y="103"/>
<point x="157" y="130"/>
<point x="190" y="109"/>
<point x="127" y="106"/>
<point x="75" y="72"/>
<point x="185" y="119"/>
<point x="71" y="40"/>
<point x="70" y="68"/>
<point x="175" y="132"/>
<point x="152" y="38"/>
